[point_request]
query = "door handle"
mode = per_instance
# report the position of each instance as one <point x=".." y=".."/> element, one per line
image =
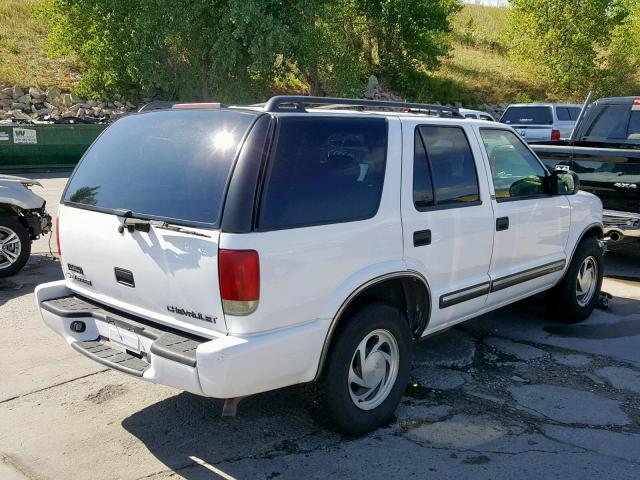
<point x="421" y="238"/>
<point x="502" y="224"/>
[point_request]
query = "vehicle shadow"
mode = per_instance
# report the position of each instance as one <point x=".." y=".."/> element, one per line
<point x="188" y="434"/>
<point x="623" y="260"/>
<point x="40" y="268"/>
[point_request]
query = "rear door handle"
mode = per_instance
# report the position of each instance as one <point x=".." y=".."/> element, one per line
<point x="502" y="223"/>
<point x="421" y="238"/>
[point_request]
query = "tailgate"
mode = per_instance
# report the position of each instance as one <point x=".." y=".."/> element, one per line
<point x="533" y="133"/>
<point x="164" y="276"/>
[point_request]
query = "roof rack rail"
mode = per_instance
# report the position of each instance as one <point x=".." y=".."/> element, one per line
<point x="296" y="103"/>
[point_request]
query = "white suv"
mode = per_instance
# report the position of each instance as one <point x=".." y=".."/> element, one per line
<point x="541" y="122"/>
<point x="232" y="251"/>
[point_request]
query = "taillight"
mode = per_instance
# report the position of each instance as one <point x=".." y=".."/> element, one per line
<point x="58" y="236"/>
<point x="239" y="272"/>
<point x="555" y="135"/>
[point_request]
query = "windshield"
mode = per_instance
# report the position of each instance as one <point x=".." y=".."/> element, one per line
<point x="527" y="116"/>
<point x="173" y="165"/>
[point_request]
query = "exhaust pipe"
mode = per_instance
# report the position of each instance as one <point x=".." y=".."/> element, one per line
<point x="615" y="236"/>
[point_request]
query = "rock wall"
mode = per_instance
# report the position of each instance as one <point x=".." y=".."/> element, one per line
<point x="53" y="105"/>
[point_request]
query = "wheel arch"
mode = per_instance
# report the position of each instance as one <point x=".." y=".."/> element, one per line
<point x="595" y="230"/>
<point x="9" y="209"/>
<point x="408" y="290"/>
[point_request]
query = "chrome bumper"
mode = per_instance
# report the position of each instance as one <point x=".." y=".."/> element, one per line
<point x="621" y="224"/>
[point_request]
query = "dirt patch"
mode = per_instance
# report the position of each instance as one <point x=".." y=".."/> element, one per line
<point x="106" y="393"/>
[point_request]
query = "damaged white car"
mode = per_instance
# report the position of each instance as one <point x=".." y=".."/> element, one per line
<point x="23" y="218"/>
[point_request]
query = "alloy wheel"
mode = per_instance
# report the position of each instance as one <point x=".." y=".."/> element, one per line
<point x="10" y="247"/>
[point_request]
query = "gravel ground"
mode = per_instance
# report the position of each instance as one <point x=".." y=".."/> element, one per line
<point x="508" y="395"/>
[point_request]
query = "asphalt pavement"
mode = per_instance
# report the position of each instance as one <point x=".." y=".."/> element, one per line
<point x="511" y="394"/>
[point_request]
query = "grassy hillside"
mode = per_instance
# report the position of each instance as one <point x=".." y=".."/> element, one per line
<point x="477" y="71"/>
<point x="23" y="59"/>
<point x="478" y="65"/>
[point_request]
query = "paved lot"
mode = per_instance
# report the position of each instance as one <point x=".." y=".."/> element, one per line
<point x="509" y="395"/>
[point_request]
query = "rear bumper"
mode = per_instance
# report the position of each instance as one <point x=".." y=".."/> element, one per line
<point x="224" y="367"/>
<point x="628" y="224"/>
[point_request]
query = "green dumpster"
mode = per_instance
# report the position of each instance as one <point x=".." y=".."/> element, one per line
<point x="44" y="146"/>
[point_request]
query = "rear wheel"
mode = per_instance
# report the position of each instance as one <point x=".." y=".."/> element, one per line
<point x="15" y="246"/>
<point x="367" y="370"/>
<point x="575" y="297"/>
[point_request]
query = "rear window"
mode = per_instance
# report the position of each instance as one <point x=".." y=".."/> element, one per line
<point x="324" y="170"/>
<point x="610" y="122"/>
<point x="172" y="165"/>
<point x="527" y="116"/>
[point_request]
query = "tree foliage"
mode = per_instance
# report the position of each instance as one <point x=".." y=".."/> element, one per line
<point x="622" y="64"/>
<point x="237" y="50"/>
<point x="570" y="43"/>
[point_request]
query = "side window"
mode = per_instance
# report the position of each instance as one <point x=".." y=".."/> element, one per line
<point x="574" y="113"/>
<point x="455" y="181"/>
<point x="563" y="114"/>
<point x="516" y="172"/>
<point x="422" y="184"/>
<point x="486" y="117"/>
<point x="633" y="132"/>
<point x="324" y="170"/>
<point x="610" y="122"/>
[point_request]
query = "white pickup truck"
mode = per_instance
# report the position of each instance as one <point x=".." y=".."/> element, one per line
<point x="230" y="251"/>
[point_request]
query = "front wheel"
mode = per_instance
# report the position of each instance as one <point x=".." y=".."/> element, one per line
<point x="575" y="297"/>
<point x="15" y="246"/>
<point x="367" y="370"/>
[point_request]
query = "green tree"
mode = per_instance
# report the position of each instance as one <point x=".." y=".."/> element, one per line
<point x="622" y="66"/>
<point x="186" y="50"/>
<point x="235" y="50"/>
<point x="401" y="36"/>
<point x="563" y="41"/>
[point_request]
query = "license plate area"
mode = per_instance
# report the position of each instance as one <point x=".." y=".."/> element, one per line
<point x="125" y="339"/>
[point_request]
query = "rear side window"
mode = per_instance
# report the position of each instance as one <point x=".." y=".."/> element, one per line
<point x="574" y="113"/>
<point x="527" y="116"/>
<point x="450" y="162"/>
<point x="422" y="184"/>
<point x="610" y="122"/>
<point x="172" y="165"/>
<point x="633" y="132"/>
<point x="566" y="114"/>
<point x="563" y="114"/>
<point x="324" y="170"/>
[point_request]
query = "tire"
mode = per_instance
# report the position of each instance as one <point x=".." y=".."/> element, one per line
<point x="347" y="407"/>
<point x="569" y="302"/>
<point x="14" y="254"/>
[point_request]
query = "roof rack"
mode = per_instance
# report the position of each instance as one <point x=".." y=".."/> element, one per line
<point x="296" y="103"/>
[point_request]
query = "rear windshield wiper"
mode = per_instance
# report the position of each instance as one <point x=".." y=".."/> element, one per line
<point x="176" y="228"/>
<point x="132" y="224"/>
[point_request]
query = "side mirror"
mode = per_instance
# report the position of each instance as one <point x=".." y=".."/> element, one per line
<point x="563" y="182"/>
